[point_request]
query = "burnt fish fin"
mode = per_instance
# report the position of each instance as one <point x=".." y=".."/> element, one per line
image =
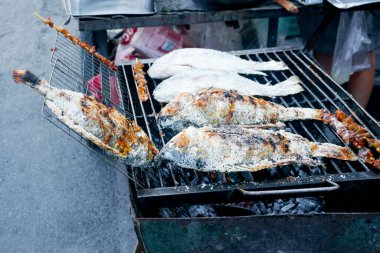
<point x="26" y="77"/>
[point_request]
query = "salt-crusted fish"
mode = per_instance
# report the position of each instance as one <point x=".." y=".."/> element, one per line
<point x="224" y="107"/>
<point x="106" y="127"/>
<point x="195" y="80"/>
<point x="182" y="60"/>
<point x="230" y="149"/>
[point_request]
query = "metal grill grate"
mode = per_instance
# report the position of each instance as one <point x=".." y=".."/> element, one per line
<point x="166" y="185"/>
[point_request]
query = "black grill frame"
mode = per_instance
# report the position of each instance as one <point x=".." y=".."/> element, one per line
<point x="172" y="186"/>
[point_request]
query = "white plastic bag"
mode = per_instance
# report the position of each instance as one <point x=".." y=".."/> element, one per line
<point x="351" y="53"/>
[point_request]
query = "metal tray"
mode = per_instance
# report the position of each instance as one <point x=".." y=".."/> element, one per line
<point x="84" y="8"/>
<point x="345" y="4"/>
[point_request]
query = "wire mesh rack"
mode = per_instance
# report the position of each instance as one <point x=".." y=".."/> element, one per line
<point x="76" y="70"/>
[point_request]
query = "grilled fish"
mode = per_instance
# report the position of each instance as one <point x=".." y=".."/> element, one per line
<point x="185" y="59"/>
<point x="229" y="149"/>
<point x="224" y="107"/>
<point x="196" y="80"/>
<point x="106" y="127"/>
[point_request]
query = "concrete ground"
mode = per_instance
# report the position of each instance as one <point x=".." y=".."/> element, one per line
<point x="55" y="195"/>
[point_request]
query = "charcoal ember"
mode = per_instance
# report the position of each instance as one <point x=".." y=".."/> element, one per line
<point x="276" y="207"/>
<point x="287" y="207"/>
<point x="294" y="211"/>
<point x="255" y="208"/>
<point x="300" y="211"/>
<point x="201" y="211"/>
<point x="262" y="207"/>
<point x="172" y="213"/>
<point x="165" y="212"/>
<point x="310" y="204"/>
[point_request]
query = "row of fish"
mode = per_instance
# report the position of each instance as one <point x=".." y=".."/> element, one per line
<point x="219" y="127"/>
<point x="218" y="122"/>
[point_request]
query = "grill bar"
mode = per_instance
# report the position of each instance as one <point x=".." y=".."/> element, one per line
<point x="313" y="97"/>
<point x="321" y="133"/>
<point x="170" y="185"/>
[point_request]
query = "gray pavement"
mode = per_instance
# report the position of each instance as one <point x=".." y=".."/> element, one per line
<point x="55" y="195"/>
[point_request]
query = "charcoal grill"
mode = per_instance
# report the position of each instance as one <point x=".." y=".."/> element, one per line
<point x="169" y="185"/>
<point x="351" y="222"/>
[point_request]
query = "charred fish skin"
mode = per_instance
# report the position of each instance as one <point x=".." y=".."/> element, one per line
<point x="224" y="107"/>
<point x="104" y="126"/>
<point x="182" y="60"/>
<point x="194" y="81"/>
<point x="232" y="148"/>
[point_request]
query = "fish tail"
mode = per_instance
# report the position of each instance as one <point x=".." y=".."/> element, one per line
<point x="26" y="77"/>
<point x="332" y="151"/>
<point x="271" y="65"/>
<point x="290" y="85"/>
<point x="295" y="113"/>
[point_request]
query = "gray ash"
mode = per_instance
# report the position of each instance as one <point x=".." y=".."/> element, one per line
<point x="284" y="206"/>
<point x="276" y="207"/>
<point x="188" y="211"/>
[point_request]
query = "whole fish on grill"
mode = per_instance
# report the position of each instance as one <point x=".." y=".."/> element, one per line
<point x="195" y="80"/>
<point x="224" y="107"/>
<point x="182" y="60"/>
<point x="232" y="148"/>
<point x="104" y="126"/>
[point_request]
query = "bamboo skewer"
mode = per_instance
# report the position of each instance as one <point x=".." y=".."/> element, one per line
<point x="75" y="40"/>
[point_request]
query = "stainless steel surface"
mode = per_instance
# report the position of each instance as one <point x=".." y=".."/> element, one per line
<point x="345" y="4"/>
<point x="83" y="8"/>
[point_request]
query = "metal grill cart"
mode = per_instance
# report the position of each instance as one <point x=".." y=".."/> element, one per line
<point x="350" y="219"/>
<point x="347" y="187"/>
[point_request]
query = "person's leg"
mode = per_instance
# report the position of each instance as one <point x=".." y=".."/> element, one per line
<point x="325" y="60"/>
<point x="361" y="83"/>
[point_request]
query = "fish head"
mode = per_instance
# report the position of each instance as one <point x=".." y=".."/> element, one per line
<point x="181" y="149"/>
<point x="175" y="115"/>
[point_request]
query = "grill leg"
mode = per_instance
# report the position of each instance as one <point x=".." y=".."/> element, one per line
<point x="138" y="248"/>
